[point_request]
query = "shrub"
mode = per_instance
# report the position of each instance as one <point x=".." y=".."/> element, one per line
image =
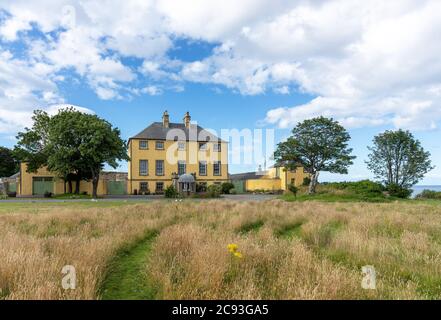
<point x="306" y="181"/>
<point x="395" y="190"/>
<point x="233" y="191"/>
<point x="214" y="191"/>
<point x="12" y="194"/>
<point x="363" y="187"/>
<point x="226" y="187"/>
<point x="293" y="189"/>
<point x="429" y="194"/>
<point x="171" y="192"/>
<point x="201" y="187"/>
<point x="48" y="194"/>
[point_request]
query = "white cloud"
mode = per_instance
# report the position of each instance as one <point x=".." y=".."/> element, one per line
<point x="366" y="63"/>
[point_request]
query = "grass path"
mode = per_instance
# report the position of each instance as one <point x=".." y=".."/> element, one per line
<point x="127" y="278"/>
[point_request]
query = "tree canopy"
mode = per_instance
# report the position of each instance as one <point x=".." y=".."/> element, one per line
<point x="72" y="144"/>
<point x="318" y="144"/>
<point x="8" y="163"/>
<point x="397" y="158"/>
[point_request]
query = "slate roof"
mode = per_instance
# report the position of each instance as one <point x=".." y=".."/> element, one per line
<point x="247" y="175"/>
<point x="156" y="131"/>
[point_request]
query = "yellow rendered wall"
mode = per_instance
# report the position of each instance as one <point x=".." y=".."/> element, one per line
<point x="24" y="188"/>
<point x="276" y="179"/>
<point x="192" y="155"/>
<point x="263" y="184"/>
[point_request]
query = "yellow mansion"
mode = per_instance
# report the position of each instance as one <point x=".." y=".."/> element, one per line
<point x="183" y="154"/>
<point x="165" y="153"/>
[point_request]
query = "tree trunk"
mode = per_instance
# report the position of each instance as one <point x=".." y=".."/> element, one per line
<point x="313" y="183"/>
<point x="77" y="184"/>
<point x="69" y="186"/>
<point x="95" y="180"/>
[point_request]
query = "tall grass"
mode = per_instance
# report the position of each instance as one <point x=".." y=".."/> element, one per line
<point x="302" y="250"/>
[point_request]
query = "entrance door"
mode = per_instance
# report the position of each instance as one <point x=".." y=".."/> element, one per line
<point x="41" y="185"/>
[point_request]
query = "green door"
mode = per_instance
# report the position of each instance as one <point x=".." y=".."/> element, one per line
<point x="12" y="187"/>
<point x="116" y="188"/>
<point x="239" y="185"/>
<point x="41" y="185"/>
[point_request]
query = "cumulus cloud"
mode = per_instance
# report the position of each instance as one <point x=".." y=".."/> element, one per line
<point x="365" y="63"/>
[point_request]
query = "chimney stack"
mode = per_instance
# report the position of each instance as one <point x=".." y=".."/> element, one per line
<point x="187" y="119"/>
<point x="165" y="119"/>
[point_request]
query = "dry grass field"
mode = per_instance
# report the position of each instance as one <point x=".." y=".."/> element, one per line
<point x="178" y="250"/>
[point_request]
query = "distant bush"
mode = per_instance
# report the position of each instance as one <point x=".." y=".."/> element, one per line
<point x="12" y="194"/>
<point x="226" y="187"/>
<point x="363" y="187"/>
<point x="306" y="181"/>
<point x="48" y="194"/>
<point x="214" y="191"/>
<point x="395" y="190"/>
<point x="233" y="191"/>
<point x="429" y="194"/>
<point x="171" y="192"/>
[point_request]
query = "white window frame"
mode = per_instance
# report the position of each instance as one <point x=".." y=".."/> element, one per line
<point x="202" y="146"/>
<point x="159" y="142"/>
<point x="162" y="167"/>
<point x="204" y="165"/>
<point x="146" y="145"/>
<point x="180" y="163"/>
<point x="214" y="168"/>
<point x="141" y="171"/>
<point x="217" y="147"/>
<point x="181" y="145"/>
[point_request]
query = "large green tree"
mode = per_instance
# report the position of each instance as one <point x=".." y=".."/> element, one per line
<point x="318" y="144"/>
<point x="397" y="158"/>
<point x="8" y="163"/>
<point x="72" y="144"/>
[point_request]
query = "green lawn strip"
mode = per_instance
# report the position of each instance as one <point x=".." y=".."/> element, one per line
<point x="428" y="286"/>
<point x="37" y="207"/>
<point x="127" y="277"/>
<point x="290" y="230"/>
<point x="325" y="197"/>
<point x="252" y="226"/>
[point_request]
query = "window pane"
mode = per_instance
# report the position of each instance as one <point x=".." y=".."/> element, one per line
<point x="217" y="168"/>
<point x="202" y="168"/>
<point x="159" y="145"/>
<point x="159" y="167"/>
<point x="143" y="186"/>
<point x="181" y="167"/>
<point x="181" y="146"/>
<point x="143" y="167"/>
<point x="143" y="144"/>
<point x="159" y="186"/>
<point x="203" y="146"/>
<point x="217" y="147"/>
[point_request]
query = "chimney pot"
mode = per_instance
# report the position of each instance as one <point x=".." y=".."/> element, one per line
<point x="165" y="119"/>
<point x="187" y="120"/>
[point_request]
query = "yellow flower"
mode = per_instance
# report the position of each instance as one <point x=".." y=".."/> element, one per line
<point x="237" y="255"/>
<point x="232" y="247"/>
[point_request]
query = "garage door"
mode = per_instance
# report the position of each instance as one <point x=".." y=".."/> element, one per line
<point x="116" y="187"/>
<point x="239" y="185"/>
<point x="42" y="185"/>
<point x="12" y="187"/>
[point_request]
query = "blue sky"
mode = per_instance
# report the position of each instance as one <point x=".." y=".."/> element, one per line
<point x="268" y="65"/>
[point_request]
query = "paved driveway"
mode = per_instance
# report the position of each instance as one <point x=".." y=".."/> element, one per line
<point x="236" y="197"/>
